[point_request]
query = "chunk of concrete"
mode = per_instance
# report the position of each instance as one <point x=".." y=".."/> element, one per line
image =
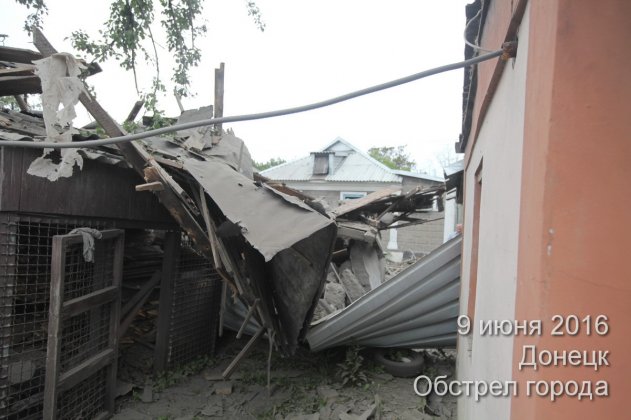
<point x="367" y="264"/>
<point x="147" y="394"/>
<point x="223" y="388"/>
<point x="335" y="295"/>
<point x="352" y="286"/>
<point x="327" y="393"/>
<point x="214" y="407"/>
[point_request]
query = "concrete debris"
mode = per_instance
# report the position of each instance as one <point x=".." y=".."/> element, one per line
<point x="327" y="393"/>
<point x="322" y="309"/>
<point x="147" y="394"/>
<point x="223" y="388"/>
<point x="352" y="286"/>
<point x="335" y="295"/>
<point x="214" y="408"/>
<point x="367" y="264"/>
<point x="123" y="388"/>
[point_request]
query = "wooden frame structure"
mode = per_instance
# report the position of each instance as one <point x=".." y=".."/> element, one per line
<point x="60" y="310"/>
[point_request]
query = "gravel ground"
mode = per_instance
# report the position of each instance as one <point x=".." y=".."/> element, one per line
<point x="308" y="386"/>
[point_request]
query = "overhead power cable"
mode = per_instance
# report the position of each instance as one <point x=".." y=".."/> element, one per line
<point x="258" y="116"/>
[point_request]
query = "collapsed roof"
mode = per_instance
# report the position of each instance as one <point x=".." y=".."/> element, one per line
<point x="272" y="248"/>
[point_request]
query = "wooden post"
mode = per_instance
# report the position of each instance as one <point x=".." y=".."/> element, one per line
<point x="138" y="158"/>
<point x="244" y="352"/>
<point x="57" y="381"/>
<point x="115" y="314"/>
<point x="8" y="257"/>
<point x="21" y="103"/>
<point x="169" y="271"/>
<point x="57" y="274"/>
<point x="219" y="89"/>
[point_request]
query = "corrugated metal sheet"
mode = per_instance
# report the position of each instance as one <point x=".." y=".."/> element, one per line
<point x="359" y="168"/>
<point x="419" y="175"/>
<point x="417" y="308"/>
<point x="297" y="170"/>
<point x="454" y="167"/>
<point x="353" y="166"/>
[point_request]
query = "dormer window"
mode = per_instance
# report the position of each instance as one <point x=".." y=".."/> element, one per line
<point x="320" y="164"/>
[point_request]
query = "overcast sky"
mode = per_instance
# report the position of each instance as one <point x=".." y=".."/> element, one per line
<point x="310" y="50"/>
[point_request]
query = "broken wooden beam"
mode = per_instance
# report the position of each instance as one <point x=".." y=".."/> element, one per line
<point x="138" y="158"/>
<point x="219" y="92"/>
<point x="151" y="186"/>
<point x="134" y="111"/>
<point x="244" y="352"/>
<point x="247" y="318"/>
<point x="133" y="306"/>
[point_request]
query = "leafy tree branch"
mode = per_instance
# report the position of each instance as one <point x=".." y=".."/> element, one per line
<point x="127" y="37"/>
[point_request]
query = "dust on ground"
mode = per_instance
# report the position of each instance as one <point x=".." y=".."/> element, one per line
<point x="307" y="386"/>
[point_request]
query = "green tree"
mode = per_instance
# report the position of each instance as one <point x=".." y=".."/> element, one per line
<point x="127" y="37"/>
<point x="393" y="157"/>
<point x="9" y="102"/>
<point x="261" y="166"/>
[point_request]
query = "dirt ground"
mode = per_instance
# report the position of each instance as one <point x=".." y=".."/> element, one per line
<point x="307" y="386"/>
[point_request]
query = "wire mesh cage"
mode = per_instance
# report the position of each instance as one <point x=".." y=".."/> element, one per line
<point x="195" y="309"/>
<point x="25" y="284"/>
<point x="86" y="400"/>
<point x="25" y="262"/>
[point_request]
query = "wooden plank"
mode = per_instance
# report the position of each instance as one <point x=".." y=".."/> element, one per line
<point x="18" y="85"/>
<point x="134" y="111"/>
<point x="21" y="70"/>
<point x="133" y="306"/>
<point x="150" y="186"/>
<point x="222" y="307"/>
<point x="115" y="310"/>
<point x="21" y="103"/>
<point x="56" y="381"/>
<point x="350" y="205"/>
<point x="8" y="259"/>
<point x="85" y="369"/>
<point x="169" y="271"/>
<point x="19" y="55"/>
<point x="11" y="187"/>
<point x="130" y="117"/>
<point x="147" y="287"/>
<point x="137" y="157"/>
<point x="219" y="93"/>
<point x="115" y="187"/>
<point x="86" y="302"/>
<point x="244" y="352"/>
<point x="172" y="200"/>
<point x="103" y="416"/>
<point x="248" y="315"/>
<point x="57" y="275"/>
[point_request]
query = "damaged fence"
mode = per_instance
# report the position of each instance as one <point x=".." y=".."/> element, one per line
<point x="194" y="310"/>
<point x="26" y="258"/>
<point x="82" y="347"/>
<point x="25" y="269"/>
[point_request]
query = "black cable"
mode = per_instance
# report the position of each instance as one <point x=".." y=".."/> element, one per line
<point x="250" y="117"/>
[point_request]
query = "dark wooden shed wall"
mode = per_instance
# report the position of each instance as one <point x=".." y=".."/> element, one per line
<point x="99" y="190"/>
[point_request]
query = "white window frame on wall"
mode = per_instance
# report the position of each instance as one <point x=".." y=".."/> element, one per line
<point x="359" y="194"/>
